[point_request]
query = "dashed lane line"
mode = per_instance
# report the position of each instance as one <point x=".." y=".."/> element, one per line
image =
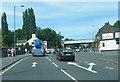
<point x="109" y="68"/>
<point x="54" y="64"/>
<point x="69" y="75"/>
<point x="63" y="71"/>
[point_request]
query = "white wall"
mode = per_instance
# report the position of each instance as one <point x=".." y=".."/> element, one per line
<point x="109" y="45"/>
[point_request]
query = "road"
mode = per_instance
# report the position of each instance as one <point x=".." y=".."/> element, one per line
<point x="48" y="68"/>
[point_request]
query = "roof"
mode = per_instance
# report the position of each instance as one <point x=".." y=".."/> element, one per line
<point x="107" y="28"/>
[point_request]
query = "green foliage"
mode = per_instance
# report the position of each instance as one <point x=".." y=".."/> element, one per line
<point x="53" y="39"/>
<point x="27" y="46"/>
<point x="7" y="37"/>
<point x="4" y="24"/>
<point x="117" y="24"/>
<point x="29" y="24"/>
<point x="18" y="34"/>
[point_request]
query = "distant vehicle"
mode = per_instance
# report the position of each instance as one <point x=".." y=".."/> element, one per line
<point x="77" y="50"/>
<point x="48" y="51"/>
<point x="65" y="54"/>
<point x="38" y="52"/>
<point x="38" y="49"/>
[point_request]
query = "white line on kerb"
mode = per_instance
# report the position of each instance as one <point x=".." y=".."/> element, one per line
<point x="11" y="66"/>
<point x="54" y="64"/>
<point x="69" y="75"/>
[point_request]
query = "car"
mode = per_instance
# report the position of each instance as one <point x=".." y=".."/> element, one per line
<point x="77" y="50"/>
<point x="48" y="51"/>
<point x="65" y="54"/>
<point x="38" y="52"/>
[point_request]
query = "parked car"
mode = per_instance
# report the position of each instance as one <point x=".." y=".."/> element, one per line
<point x="65" y="54"/>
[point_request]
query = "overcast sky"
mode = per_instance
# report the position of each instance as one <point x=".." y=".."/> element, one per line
<point x="76" y="20"/>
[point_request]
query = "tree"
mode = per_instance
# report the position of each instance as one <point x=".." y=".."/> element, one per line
<point x="25" y="27"/>
<point x="7" y="38"/>
<point x="32" y="24"/>
<point x="29" y="24"/>
<point x="53" y="39"/>
<point x="4" y="24"/>
<point x="18" y="34"/>
<point x="117" y="24"/>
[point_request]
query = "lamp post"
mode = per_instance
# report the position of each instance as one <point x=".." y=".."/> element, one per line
<point x="15" y="27"/>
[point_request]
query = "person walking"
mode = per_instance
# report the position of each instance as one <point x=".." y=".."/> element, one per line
<point x="8" y="52"/>
<point x="12" y="52"/>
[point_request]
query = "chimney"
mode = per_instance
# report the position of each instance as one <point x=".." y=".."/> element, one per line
<point x="33" y="35"/>
<point x="107" y="23"/>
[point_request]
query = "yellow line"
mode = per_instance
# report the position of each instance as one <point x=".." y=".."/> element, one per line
<point x="11" y="66"/>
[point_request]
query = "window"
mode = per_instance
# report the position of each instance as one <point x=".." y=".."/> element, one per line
<point x="103" y="44"/>
<point x="32" y="43"/>
<point x="117" y="40"/>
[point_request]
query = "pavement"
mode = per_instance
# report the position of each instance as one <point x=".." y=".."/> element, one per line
<point x="7" y="61"/>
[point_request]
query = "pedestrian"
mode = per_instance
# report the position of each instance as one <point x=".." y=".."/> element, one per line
<point x="26" y="50"/>
<point x="8" y="52"/>
<point x="12" y="52"/>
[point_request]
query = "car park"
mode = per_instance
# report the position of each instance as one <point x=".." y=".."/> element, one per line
<point x="65" y="54"/>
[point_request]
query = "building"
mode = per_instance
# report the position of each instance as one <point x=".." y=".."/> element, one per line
<point x="30" y="41"/>
<point x="107" y="38"/>
<point x="21" y="42"/>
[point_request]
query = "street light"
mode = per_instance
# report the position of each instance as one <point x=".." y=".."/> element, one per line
<point x="15" y="26"/>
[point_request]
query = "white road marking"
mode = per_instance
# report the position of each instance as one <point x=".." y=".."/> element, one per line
<point x="82" y="67"/>
<point x="86" y="62"/>
<point x="34" y="64"/>
<point x="12" y="66"/>
<point x="91" y="65"/>
<point x="109" y="67"/>
<point x="48" y="59"/>
<point x="69" y="75"/>
<point x="54" y="64"/>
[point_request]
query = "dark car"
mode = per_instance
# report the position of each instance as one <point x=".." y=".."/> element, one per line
<point x="65" y="54"/>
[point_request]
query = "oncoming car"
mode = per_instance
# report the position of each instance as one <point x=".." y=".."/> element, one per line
<point x="65" y="54"/>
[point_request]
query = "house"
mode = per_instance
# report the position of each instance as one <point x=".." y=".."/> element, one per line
<point x="107" y="38"/>
<point x="30" y="41"/>
<point x="21" y="42"/>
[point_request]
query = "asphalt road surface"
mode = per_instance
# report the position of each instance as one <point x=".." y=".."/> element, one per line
<point x="48" y="68"/>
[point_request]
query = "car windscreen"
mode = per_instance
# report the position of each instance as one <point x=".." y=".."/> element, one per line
<point x="67" y="50"/>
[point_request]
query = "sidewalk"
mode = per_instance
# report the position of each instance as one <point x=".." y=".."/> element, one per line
<point x="7" y="61"/>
